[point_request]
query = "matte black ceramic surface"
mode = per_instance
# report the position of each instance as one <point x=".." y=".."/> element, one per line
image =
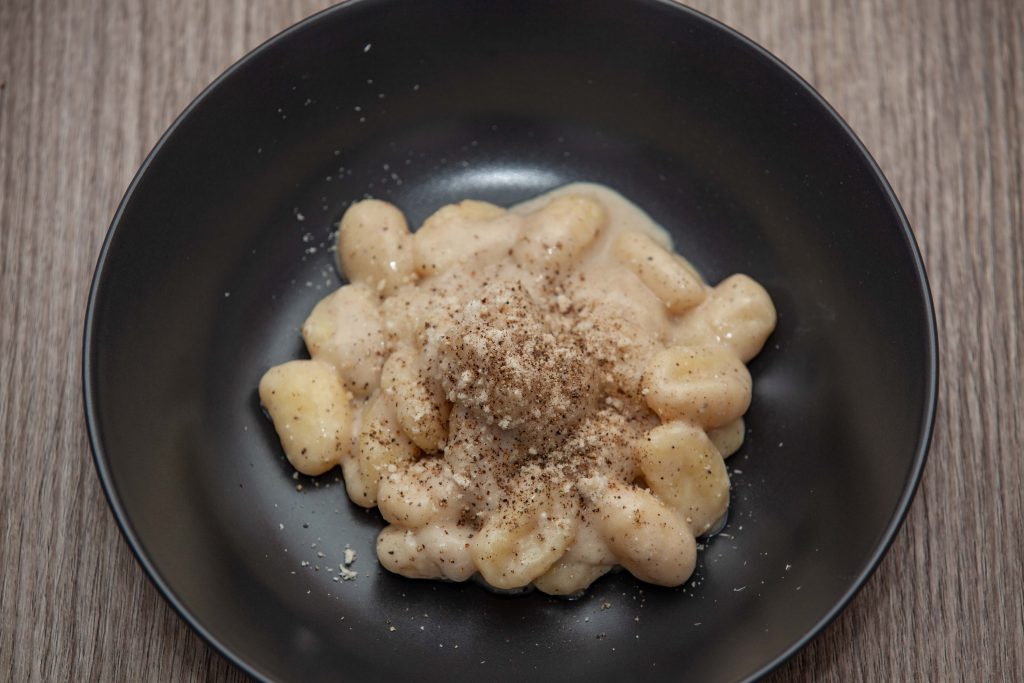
<point x="218" y="252"/>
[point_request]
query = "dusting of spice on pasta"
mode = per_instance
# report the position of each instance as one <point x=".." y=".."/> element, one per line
<point x="533" y="395"/>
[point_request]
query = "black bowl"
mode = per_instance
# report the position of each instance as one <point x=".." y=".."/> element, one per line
<point x="218" y="252"/>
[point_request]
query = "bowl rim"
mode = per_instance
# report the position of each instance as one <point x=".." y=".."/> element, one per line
<point x="924" y="437"/>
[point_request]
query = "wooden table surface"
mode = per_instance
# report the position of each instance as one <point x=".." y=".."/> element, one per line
<point x="935" y="88"/>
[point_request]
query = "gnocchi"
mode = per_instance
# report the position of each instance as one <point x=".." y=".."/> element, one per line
<point x="344" y="330"/>
<point x="683" y="468"/>
<point x="420" y="406"/>
<point x="558" y="234"/>
<point x="707" y="385"/>
<point x="671" y="278"/>
<point x="312" y="413"/>
<point x="533" y="395"/>
<point x="520" y="542"/>
<point x="645" y="535"/>
<point x="737" y="314"/>
<point x="381" y="446"/>
<point x="728" y="438"/>
<point x="375" y="246"/>
<point x="460" y="233"/>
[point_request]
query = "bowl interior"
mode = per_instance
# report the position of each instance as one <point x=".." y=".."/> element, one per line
<point x="220" y="250"/>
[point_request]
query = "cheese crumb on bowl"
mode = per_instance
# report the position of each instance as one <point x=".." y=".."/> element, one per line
<point x="532" y="396"/>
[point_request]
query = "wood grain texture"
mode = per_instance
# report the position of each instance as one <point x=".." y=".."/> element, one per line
<point x="935" y="88"/>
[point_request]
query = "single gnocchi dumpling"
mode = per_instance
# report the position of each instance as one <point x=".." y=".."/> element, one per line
<point x="728" y="438"/>
<point x="401" y="551"/>
<point x="446" y="546"/>
<point x="647" y="537"/>
<point x="738" y="314"/>
<point x="420" y="405"/>
<point x="375" y="246"/>
<point x="742" y="315"/>
<point x="668" y="275"/>
<point x="684" y="469"/>
<point x="707" y="385"/>
<point x="381" y="446"/>
<point x="558" y="233"/>
<point x="569" y="577"/>
<point x="431" y="552"/>
<point x="417" y="495"/>
<point x="312" y="414"/>
<point x="345" y="330"/>
<point x="520" y="542"/>
<point x="469" y="231"/>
